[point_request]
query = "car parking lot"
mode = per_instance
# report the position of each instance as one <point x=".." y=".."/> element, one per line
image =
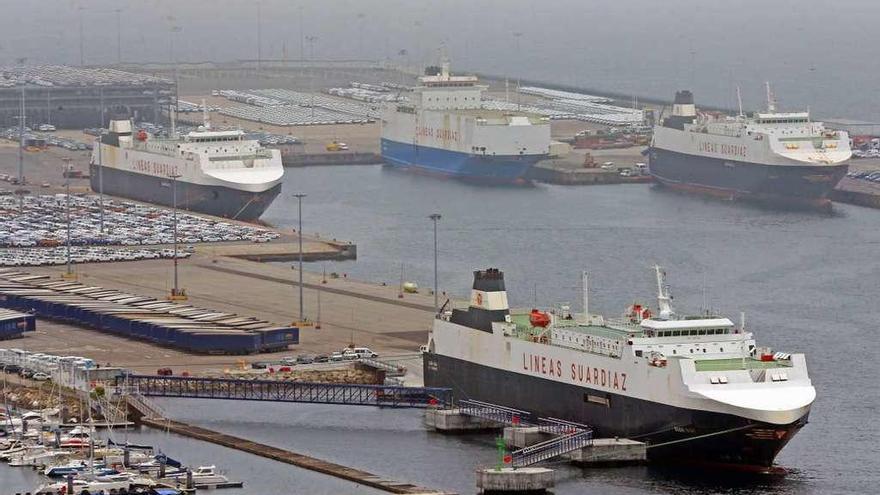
<point x="12" y="134"/>
<point x="83" y="254"/>
<point x="42" y="223"/>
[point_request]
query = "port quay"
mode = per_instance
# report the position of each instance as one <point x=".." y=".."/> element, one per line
<point x="255" y="276"/>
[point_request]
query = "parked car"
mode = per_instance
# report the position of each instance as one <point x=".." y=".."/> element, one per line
<point x="336" y="356"/>
<point x="304" y="359"/>
<point x="41" y="377"/>
<point x="164" y="372"/>
<point x="362" y="352"/>
<point x="322" y="358"/>
<point x="259" y="366"/>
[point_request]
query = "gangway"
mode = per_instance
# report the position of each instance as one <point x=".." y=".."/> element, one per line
<point x="551" y="448"/>
<point x="284" y="391"/>
<point x="569" y="436"/>
<point x="391" y="370"/>
<point x="494" y="412"/>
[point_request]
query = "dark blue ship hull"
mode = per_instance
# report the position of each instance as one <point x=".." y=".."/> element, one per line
<point x="673" y="434"/>
<point x="808" y="185"/>
<point x="508" y="169"/>
<point x="213" y="200"/>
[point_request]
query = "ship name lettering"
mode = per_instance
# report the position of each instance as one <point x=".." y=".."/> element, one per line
<point x="155" y="168"/>
<point x="724" y="149"/>
<point x="439" y="134"/>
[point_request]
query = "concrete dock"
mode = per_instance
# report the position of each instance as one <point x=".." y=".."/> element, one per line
<point x="303" y="461"/>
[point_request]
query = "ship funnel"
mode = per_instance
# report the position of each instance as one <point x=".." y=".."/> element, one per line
<point x="121" y="127"/>
<point x="488" y="302"/>
<point x="683" y="106"/>
<point x="683" y="111"/>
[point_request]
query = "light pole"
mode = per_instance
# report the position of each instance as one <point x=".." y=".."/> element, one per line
<point x="435" y="217"/>
<point x="20" y="189"/>
<point x="312" y="40"/>
<point x="100" y="181"/>
<point x="69" y="273"/>
<point x="82" y="56"/>
<point x="175" y="293"/>
<point x="259" y="36"/>
<point x="299" y="197"/>
<point x="118" y="35"/>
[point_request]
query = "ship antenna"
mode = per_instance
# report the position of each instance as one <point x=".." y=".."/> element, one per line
<point x="205" y="119"/>
<point x="663" y="298"/>
<point x="771" y="102"/>
<point x="739" y="99"/>
<point x="586" y="282"/>
<point x="742" y="330"/>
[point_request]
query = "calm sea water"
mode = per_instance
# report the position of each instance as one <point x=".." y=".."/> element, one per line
<point x="807" y="283"/>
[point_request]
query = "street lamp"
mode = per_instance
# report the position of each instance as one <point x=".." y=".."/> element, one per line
<point x="176" y="292"/>
<point x="69" y="274"/>
<point x="435" y="217"/>
<point x="100" y="179"/>
<point x="299" y="197"/>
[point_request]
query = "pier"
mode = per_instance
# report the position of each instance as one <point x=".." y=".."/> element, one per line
<point x="303" y="461"/>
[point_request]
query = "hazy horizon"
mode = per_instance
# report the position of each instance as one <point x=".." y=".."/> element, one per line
<point x="812" y="55"/>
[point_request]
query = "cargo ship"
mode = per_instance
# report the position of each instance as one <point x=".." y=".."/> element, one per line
<point x="444" y="131"/>
<point x="218" y="172"/>
<point x="695" y="388"/>
<point x="769" y="156"/>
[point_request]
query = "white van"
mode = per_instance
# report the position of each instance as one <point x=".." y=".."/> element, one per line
<point x="364" y="352"/>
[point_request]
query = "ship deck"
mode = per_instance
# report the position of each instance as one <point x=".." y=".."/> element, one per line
<point x="524" y="328"/>
<point x="737" y="364"/>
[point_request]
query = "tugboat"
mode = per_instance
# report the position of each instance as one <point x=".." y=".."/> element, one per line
<point x="696" y="388"/>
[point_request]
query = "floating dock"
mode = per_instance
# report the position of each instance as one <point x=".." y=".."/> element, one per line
<point x="288" y="457"/>
<point x="145" y="318"/>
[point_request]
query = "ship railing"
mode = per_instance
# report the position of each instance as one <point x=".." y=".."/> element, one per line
<point x="551" y="448"/>
<point x="555" y="426"/>
<point x="494" y="412"/>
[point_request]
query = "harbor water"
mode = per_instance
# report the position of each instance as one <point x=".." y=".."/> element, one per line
<point x="806" y="282"/>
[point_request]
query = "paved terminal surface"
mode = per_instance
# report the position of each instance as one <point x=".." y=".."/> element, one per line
<point x="356" y="312"/>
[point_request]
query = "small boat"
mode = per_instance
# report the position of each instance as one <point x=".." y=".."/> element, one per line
<point x="202" y="475"/>
<point x="81" y="486"/>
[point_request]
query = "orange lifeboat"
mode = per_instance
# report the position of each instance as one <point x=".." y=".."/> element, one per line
<point x="539" y="318"/>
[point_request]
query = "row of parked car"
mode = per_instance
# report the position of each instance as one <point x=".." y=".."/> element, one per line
<point x="347" y="354"/>
<point x="43" y="223"/>
<point x="870" y="175"/>
<point x="39" y="366"/>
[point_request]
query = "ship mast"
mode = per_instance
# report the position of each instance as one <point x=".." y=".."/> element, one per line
<point x="663" y="297"/>
<point x="771" y="101"/>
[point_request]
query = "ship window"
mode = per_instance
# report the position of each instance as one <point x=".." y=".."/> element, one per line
<point x="639" y="353"/>
<point x="702" y="332"/>
<point x="721" y="349"/>
<point x="676" y="333"/>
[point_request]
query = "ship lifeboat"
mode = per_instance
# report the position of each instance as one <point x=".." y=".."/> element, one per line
<point x="142" y="135"/>
<point x="539" y="318"/>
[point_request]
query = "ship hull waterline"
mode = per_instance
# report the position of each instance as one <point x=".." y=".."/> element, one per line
<point x="790" y="185"/>
<point x="674" y="435"/>
<point x="425" y="160"/>
<point x="218" y="201"/>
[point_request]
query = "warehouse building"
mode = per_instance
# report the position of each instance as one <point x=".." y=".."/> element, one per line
<point x="77" y="98"/>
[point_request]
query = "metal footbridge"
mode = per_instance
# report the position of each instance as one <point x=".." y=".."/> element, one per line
<point x="284" y="391"/>
<point x="568" y="436"/>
